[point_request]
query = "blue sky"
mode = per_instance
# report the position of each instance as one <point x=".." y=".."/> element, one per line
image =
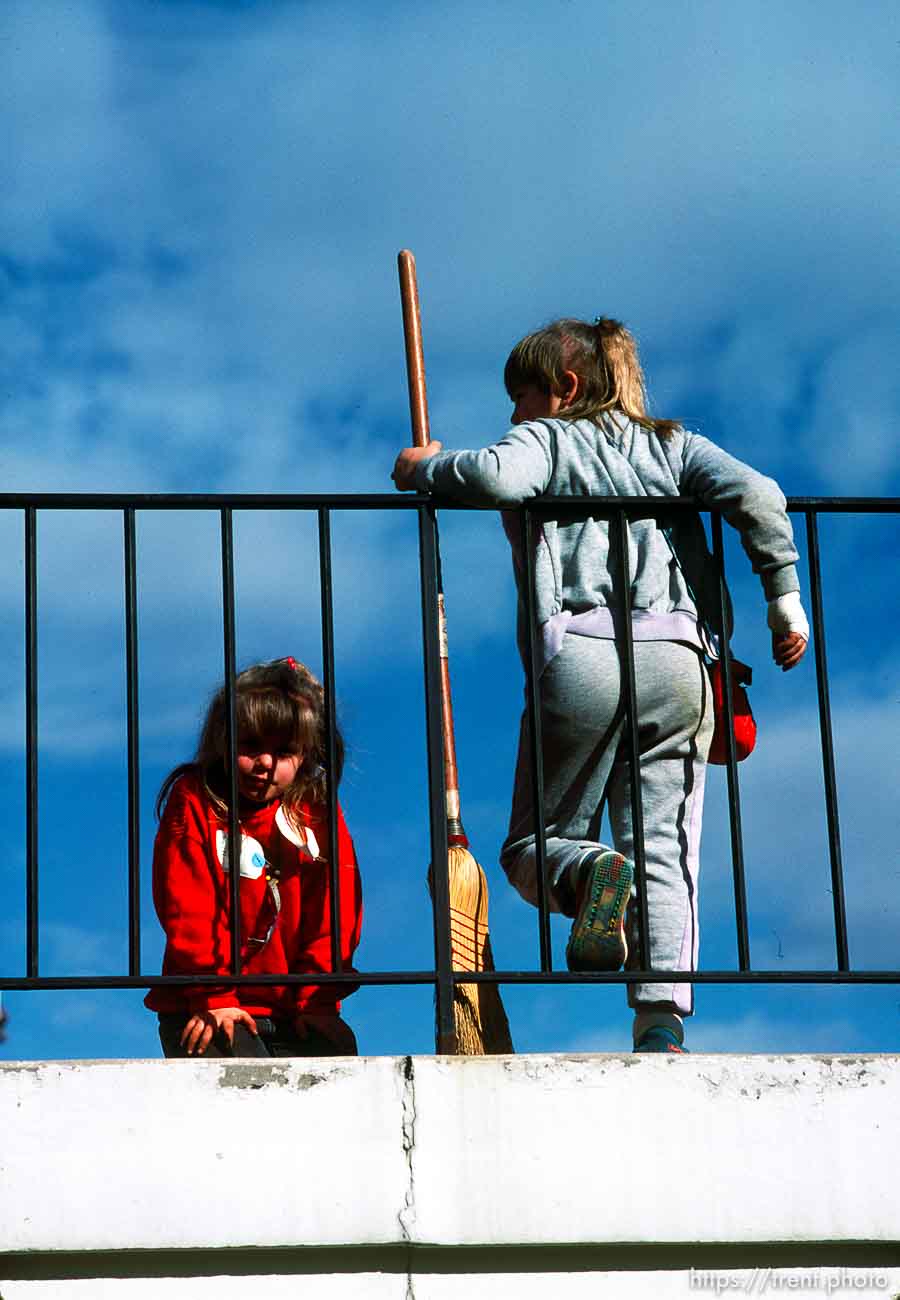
<point x="201" y="209"/>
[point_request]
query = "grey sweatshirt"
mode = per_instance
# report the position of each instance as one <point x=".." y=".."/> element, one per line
<point x="576" y="562"/>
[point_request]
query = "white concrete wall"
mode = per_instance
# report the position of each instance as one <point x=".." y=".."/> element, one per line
<point x="842" y="1282"/>
<point x="500" y="1161"/>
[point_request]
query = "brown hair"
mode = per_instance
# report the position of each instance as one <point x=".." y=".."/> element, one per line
<point x="604" y="356"/>
<point x="281" y="703"/>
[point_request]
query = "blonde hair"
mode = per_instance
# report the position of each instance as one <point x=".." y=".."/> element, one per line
<point x="279" y="702"/>
<point x="604" y="356"/>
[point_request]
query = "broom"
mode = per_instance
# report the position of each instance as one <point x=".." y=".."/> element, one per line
<point x="481" y="1024"/>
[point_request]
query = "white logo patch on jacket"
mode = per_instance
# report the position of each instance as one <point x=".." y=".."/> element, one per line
<point x="253" y="859"/>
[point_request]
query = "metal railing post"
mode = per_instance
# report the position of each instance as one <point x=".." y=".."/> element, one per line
<point x="31" y="743"/>
<point x="532" y="726"/>
<point x="234" y="830"/>
<point x="337" y="962"/>
<point x="133" y="745"/>
<point x="445" y="1029"/>
<point x="734" y="793"/>
<point x="626" y="639"/>
<point x="828" y="770"/>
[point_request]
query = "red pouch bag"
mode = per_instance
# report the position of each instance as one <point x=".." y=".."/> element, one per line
<point x="744" y="722"/>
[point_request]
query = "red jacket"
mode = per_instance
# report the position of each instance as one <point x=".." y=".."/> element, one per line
<point x="191" y="891"/>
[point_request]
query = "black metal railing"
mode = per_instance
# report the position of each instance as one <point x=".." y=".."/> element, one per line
<point x="442" y="977"/>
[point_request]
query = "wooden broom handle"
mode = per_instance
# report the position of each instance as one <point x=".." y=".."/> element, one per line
<point x="415" y="356"/>
<point x="418" y="413"/>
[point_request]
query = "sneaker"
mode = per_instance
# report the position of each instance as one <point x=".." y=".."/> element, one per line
<point x="597" y="940"/>
<point x="660" y="1039"/>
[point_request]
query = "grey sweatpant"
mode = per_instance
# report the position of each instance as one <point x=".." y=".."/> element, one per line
<point x="586" y="768"/>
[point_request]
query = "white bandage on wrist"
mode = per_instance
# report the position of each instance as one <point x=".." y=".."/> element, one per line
<point x="786" y="615"/>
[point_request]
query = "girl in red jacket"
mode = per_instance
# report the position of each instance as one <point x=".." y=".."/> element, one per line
<point x="285" y="901"/>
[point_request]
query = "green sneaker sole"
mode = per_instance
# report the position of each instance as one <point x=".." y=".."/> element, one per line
<point x="597" y="940"/>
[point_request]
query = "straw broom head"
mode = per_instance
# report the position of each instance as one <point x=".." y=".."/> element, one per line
<point x="482" y="1028"/>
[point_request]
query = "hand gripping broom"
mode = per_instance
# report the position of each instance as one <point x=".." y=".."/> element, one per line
<point x="481" y="1024"/>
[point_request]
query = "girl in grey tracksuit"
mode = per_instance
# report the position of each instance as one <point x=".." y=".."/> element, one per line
<point x="580" y="429"/>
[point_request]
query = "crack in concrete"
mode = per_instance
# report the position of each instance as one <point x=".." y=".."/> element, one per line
<point x="406" y="1216"/>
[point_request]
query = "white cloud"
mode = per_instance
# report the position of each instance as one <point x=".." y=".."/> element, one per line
<point x="848" y="438"/>
<point x="283" y="203"/>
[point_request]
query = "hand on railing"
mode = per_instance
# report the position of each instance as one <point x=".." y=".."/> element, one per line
<point x="405" y="466"/>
